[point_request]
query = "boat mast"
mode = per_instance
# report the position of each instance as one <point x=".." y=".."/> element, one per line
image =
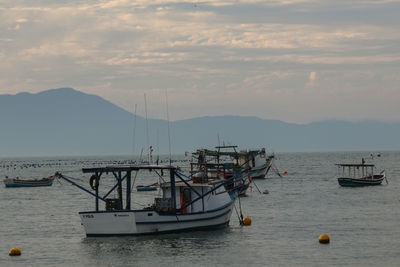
<point x="169" y="135"/>
<point x="147" y="132"/>
<point x="134" y="131"/>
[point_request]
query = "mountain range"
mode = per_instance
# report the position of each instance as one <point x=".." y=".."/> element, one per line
<point x="65" y="121"/>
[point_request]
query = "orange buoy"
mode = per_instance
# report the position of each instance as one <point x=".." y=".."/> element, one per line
<point x="15" y="252"/>
<point x="323" y="239"/>
<point x="246" y="221"/>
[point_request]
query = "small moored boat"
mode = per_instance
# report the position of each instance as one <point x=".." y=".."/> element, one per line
<point x="17" y="182"/>
<point x="353" y="175"/>
<point x="151" y="187"/>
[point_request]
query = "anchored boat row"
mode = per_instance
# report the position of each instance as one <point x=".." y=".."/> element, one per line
<point x="202" y="199"/>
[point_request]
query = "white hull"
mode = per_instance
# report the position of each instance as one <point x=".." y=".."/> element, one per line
<point x="261" y="168"/>
<point x="138" y="222"/>
<point x="259" y="172"/>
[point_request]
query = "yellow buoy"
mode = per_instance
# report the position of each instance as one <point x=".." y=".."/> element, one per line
<point x="323" y="239"/>
<point x="15" y="252"/>
<point x="266" y="191"/>
<point x="246" y="221"/>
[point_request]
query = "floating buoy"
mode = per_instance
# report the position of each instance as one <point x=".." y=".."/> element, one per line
<point x="323" y="239"/>
<point x="15" y="252"/>
<point x="266" y="191"/>
<point x="246" y="221"/>
<point x="284" y="172"/>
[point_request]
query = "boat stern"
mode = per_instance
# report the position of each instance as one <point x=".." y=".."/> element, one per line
<point x="108" y="223"/>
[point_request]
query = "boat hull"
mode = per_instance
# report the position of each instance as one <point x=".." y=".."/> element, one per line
<point x="28" y="183"/>
<point x="140" y="189"/>
<point x="142" y="222"/>
<point x="259" y="172"/>
<point x="351" y="182"/>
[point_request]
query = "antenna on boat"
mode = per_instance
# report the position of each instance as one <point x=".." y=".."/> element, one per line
<point x="134" y="131"/>
<point x="147" y="130"/>
<point x="158" y="146"/>
<point x="169" y="136"/>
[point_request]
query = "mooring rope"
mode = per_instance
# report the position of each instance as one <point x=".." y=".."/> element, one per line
<point x="240" y="221"/>
<point x="240" y="208"/>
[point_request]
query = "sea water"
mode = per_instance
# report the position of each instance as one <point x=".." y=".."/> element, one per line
<point x="363" y="223"/>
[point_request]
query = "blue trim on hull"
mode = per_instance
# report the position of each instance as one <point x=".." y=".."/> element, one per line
<point x="357" y="185"/>
<point x="22" y="185"/>
<point x="208" y="227"/>
<point x="143" y="189"/>
<point x="349" y="182"/>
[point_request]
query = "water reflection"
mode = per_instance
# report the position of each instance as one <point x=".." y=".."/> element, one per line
<point x="156" y="249"/>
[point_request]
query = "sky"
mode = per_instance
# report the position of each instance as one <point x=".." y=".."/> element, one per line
<point x="293" y="60"/>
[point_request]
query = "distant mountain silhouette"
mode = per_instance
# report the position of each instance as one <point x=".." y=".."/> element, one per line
<point x="68" y="122"/>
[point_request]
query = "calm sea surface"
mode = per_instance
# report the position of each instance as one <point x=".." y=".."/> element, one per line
<point x="363" y="223"/>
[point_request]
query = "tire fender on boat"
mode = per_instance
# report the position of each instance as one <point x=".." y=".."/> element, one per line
<point x="94" y="182"/>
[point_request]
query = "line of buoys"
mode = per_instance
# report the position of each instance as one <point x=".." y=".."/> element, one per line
<point x="246" y="221"/>
<point x="15" y="252"/>
<point x="323" y="239"/>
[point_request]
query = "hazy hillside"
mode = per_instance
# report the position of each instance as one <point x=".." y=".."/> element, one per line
<point x="68" y="122"/>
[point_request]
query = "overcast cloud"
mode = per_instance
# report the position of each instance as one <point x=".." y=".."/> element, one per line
<point x="292" y="60"/>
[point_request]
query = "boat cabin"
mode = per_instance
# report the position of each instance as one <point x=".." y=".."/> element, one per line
<point x="185" y="196"/>
<point x="251" y="158"/>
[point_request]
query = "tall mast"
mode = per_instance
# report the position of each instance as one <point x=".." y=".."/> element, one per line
<point x="169" y="136"/>
<point x="134" y="131"/>
<point x="147" y="131"/>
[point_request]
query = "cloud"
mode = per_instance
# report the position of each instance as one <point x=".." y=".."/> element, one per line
<point x="313" y="76"/>
<point x="21" y="20"/>
<point x="55" y="49"/>
<point x="210" y="52"/>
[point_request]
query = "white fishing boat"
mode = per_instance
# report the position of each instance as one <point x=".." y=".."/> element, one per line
<point x="257" y="161"/>
<point x="226" y="162"/>
<point x="218" y="164"/>
<point x="199" y="203"/>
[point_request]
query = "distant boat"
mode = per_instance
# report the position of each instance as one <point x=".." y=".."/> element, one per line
<point x="17" y="182"/>
<point x="151" y="187"/>
<point x="257" y="161"/>
<point x="354" y="175"/>
<point x="225" y="165"/>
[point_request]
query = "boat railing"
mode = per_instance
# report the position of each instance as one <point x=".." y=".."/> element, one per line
<point x="356" y="170"/>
